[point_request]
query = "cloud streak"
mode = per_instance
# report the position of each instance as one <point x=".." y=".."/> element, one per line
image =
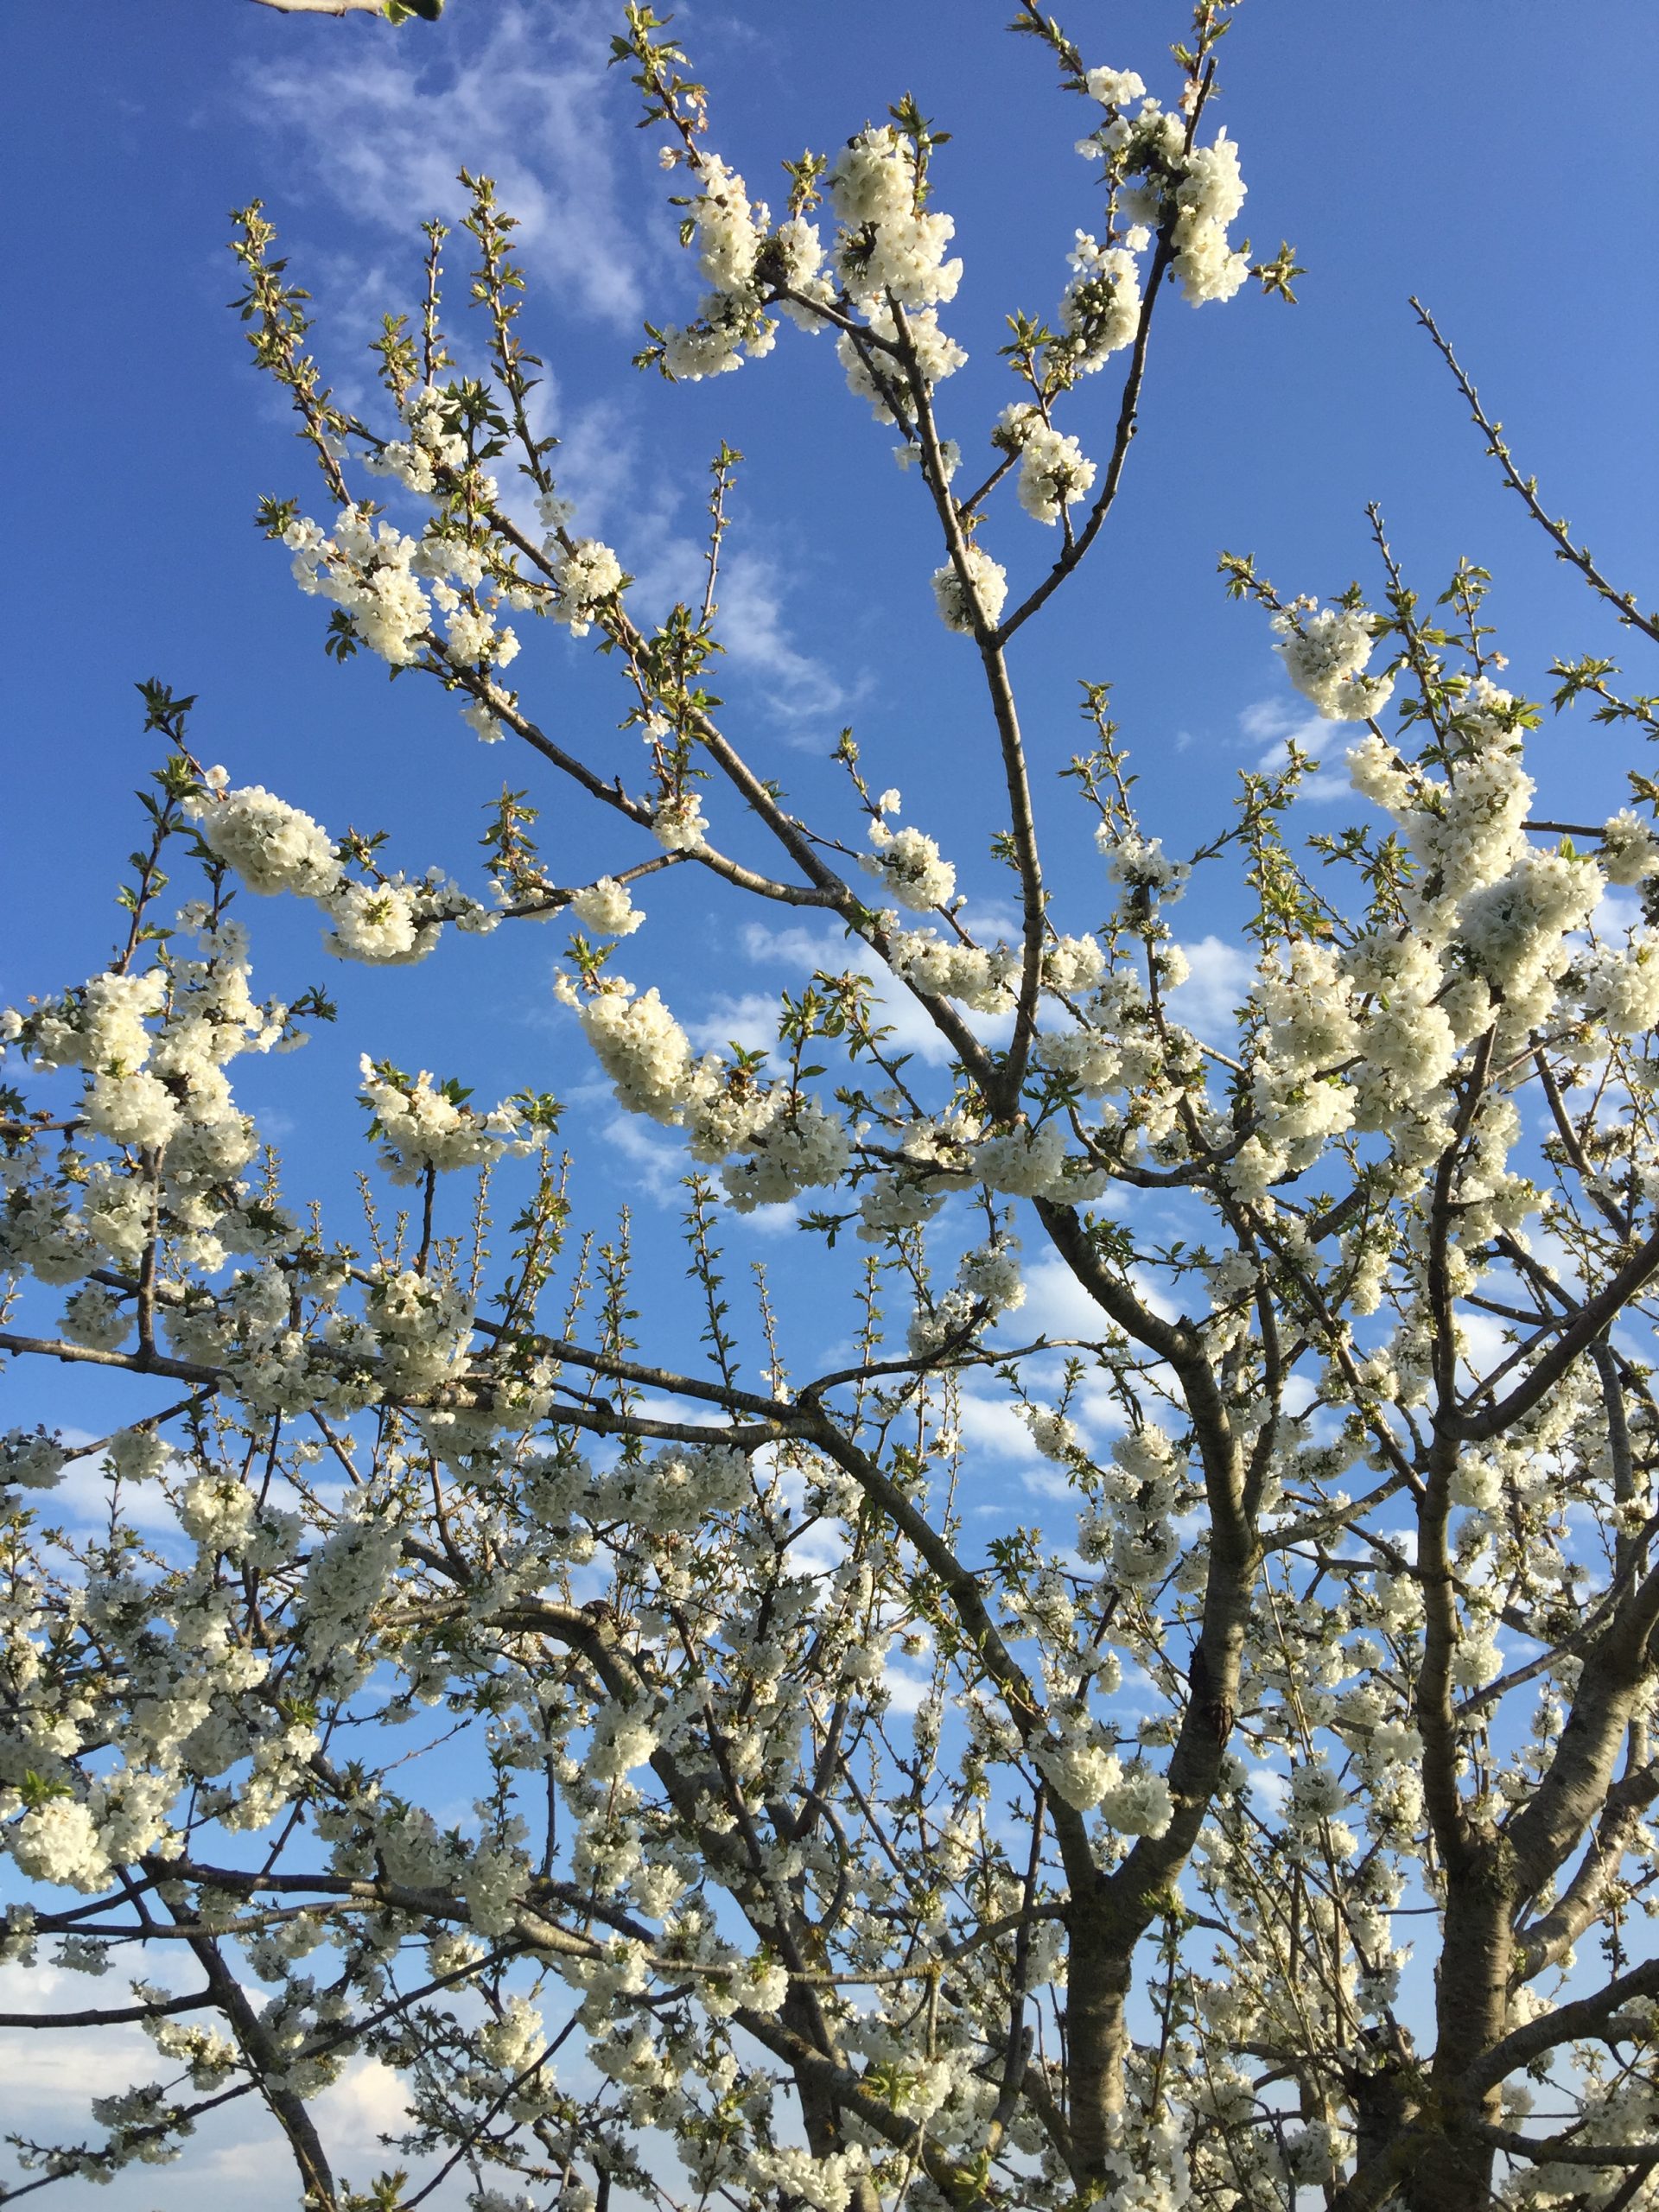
<point x="384" y="132"/>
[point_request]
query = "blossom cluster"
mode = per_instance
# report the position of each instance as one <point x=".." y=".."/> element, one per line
<point x="273" y="847"/>
<point x="748" y="260"/>
<point x="1053" y="472"/>
<point x="772" y="1142"/>
<point x="1325" y="653"/>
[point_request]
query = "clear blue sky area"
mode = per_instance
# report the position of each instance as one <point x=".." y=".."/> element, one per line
<point x="1500" y="161"/>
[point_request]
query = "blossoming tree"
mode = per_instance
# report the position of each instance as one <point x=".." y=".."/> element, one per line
<point x="1376" y="1530"/>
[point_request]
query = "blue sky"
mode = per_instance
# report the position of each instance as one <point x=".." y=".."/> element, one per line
<point x="1500" y="162"/>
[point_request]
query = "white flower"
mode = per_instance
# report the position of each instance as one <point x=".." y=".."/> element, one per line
<point x="1078" y="1770"/>
<point x="1140" y="1804"/>
<point x="643" y="1049"/>
<point x="1621" y="989"/>
<point x="1100" y="309"/>
<point x="1053" y="473"/>
<point x="1515" y="927"/>
<point x="1141" y="863"/>
<point x="136" y="1109"/>
<point x="990" y="1274"/>
<point x="1376" y="774"/>
<point x="725" y="233"/>
<point x="1029" y="1164"/>
<point x="789" y="2176"/>
<point x="1207" y="198"/>
<point x="422" y="1127"/>
<point x="1115" y="87"/>
<point x="515" y="2040"/>
<point x="32" y="1457"/>
<point x="945" y="967"/>
<point x="989" y="583"/>
<point x="486" y="725"/>
<point x="1325" y="657"/>
<point x="102" y="1026"/>
<point x="622" y="1740"/>
<point x="679" y="824"/>
<point x="606" y="907"/>
<point x="98" y="1318"/>
<point x="271" y="846"/>
<point x="1477" y="1660"/>
<point x="377" y="923"/>
<point x="137" y="1454"/>
<point x="217" y="1511"/>
<point x="1630" y="850"/>
<point x="910" y="867"/>
<point x="797" y="1147"/>
<point x="889" y="247"/>
<point x="58" y="1842"/>
<point x="585" y="577"/>
<point x="1055" y="1437"/>
<point x="367" y="571"/>
<point x="472" y="636"/>
<point x="1315" y="1792"/>
<point x="869" y="377"/>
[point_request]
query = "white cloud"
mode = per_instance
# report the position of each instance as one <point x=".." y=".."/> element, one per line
<point x="750" y="626"/>
<point x="892" y="1005"/>
<point x="367" y="2102"/>
<point x="993" y="1425"/>
<point x="1616" y="912"/>
<point x="1270" y="1790"/>
<point x="779" y="1220"/>
<point x="750" y="1020"/>
<point x="661" y="1161"/>
<point x="796" y="944"/>
<point x="1057" y="1305"/>
<point x="1046" y="1481"/>
<point x="1272" y="724"/>
<point x="907" y="1693"/>
<point x="385" y="127"/>
<point x="987" y="922"/>
<point x="597" y="466"/>
<point x="1484" y="1342"/>
<point x="384" y="130"/>
<point x="49" y="2090"/>
<point x="83" y="1496"/>
<point x="1221" y="976"/>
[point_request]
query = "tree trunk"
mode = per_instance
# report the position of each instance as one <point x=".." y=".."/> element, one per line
<point x="1453" y="2170"/>
<point x="1097" y="2042"/>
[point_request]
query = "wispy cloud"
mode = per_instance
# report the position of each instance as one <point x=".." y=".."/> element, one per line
<point x="384" y="129"/>
<point x="381" y="131"/>
<point x="1057" y="1305"/>
<point x="799" y="689"/>
<point x="1220" y="976"/>
<point x="798" y="946"/>
<point x="750" y="1020"/>
<point x="1272" y="725"/>
<point x="892" y="1006"/>
<point x="660" y="1162"/>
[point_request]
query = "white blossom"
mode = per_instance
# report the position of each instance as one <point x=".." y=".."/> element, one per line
<point x="1324" y="656"/>
<point x="271" y="846"/>
<point x="988" y="582"/>
<point x="606" y="907"/>
<point x="910" y="867"/>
